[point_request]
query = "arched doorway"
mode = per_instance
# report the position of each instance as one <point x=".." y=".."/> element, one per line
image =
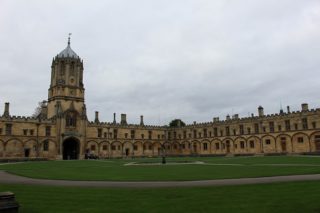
<point x="70" y="149"/>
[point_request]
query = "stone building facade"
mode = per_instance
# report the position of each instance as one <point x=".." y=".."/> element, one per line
<point x="62" y="130"/>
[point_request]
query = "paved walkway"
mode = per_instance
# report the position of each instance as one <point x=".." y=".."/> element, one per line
<point x="10" y="178"/>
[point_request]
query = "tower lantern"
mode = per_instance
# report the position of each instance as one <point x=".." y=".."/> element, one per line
<point x="66" y="81"/>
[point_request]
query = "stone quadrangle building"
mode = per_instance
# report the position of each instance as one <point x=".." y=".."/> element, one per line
<point x="62" y="130"/>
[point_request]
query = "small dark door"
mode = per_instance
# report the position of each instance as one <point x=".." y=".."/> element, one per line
<point x="318" y="146"/>
<point x="127" y="152"/>
<point x="284" y="146"/>
<point x="195" y="148"/>
<point x="26" y="152"/>
<point x="228" y="146"/>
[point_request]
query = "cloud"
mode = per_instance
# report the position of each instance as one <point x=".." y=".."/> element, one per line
<point x="192" y="60"/>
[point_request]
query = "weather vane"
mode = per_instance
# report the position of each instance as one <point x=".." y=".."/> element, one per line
<point x="69" y="38"/>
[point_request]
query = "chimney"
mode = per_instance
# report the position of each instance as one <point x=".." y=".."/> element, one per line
<point x="288" y="109"/>
<point x="260" y="111"/>
<point x="235" y="116"/>
<point x="228" y="117"/>
<point x="194" y="122"/>
<point x="96" y="118"/>
<point x="252" y="115"/>
<point x="141" y="120"/>
<point x="304" y="107"/>
<point x="179" y="123"/>
<point x="123" y="119"/>
<point x="6" y="110"/>
<point x="114" y="118"/>
<point x="216" y="119"/>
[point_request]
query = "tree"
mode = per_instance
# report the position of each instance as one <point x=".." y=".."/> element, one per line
<point x="38" y="109"/>
<point x="177" y="123"/>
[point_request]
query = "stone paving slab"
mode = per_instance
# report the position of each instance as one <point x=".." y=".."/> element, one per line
<point x="15" y="179"/>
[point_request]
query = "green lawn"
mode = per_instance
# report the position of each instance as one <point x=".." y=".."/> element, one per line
<point x="284" y="197"/>
<point x="214" y="168"/>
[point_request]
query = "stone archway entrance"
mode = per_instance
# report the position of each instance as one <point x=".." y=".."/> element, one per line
<point x="71" y="148"/>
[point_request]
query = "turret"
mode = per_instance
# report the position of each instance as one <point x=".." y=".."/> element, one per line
<point x="114" y="118"/>
<point x="123" y="119"/>
<point x="288" y="109"/>
<point x="6" y="112"/>
<point x="304" y="107"/>
<point x="96" y="118"/>
<point x="66" y="82"/>
<point x="141" y="120"/>
<point x="260" y="111"/>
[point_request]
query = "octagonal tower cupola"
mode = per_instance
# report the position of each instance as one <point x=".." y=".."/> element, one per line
<point x="66" y="82"/>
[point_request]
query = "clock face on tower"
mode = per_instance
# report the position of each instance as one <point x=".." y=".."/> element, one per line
<point x="72" y="81"/>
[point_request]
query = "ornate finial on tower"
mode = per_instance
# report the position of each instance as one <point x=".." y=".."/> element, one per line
<point x="69" y="39"/>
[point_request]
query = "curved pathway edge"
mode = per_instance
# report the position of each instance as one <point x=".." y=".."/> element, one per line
<point x="7" y="178"/>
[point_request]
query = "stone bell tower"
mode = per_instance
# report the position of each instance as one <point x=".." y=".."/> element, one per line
<point x="66" y="88"/>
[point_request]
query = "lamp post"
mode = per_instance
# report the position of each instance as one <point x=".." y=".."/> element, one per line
<point x="163" y="154"/>
<point x="163" y="149"/>
<point x="37" y="146"/>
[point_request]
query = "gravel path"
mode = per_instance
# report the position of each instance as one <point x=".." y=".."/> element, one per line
<point x="10" y="178"/>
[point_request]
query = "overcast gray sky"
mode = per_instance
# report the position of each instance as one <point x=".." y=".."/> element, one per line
<point x="165" y="59"/>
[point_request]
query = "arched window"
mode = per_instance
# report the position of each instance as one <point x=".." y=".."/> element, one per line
<point x="71" y="119"/>
<point x="62" y="68"/>
<point x="72" y="69"/>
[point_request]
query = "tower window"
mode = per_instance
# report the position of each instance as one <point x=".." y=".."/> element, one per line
<point x="71" y="119"/>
